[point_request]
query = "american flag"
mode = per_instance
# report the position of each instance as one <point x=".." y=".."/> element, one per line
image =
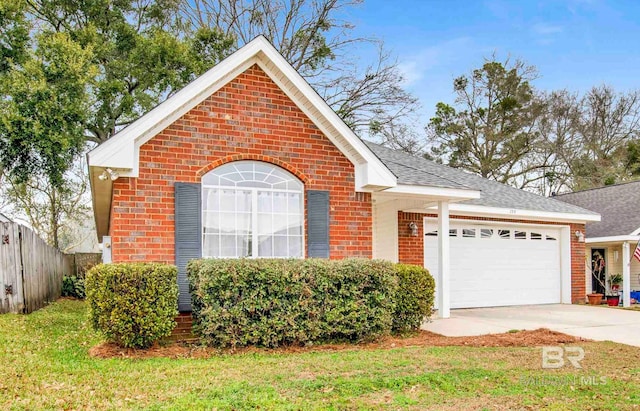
<point x="636" y="253"/>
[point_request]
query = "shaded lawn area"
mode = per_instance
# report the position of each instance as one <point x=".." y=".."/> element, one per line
<point x="45" y="365"/>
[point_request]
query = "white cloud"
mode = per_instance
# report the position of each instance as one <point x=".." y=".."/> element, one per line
<point x="414" y="67"/>
<point x="546" y="29"/>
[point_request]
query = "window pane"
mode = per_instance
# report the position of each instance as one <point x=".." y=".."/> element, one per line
<point x="279" y="202"/>
<point x="228" y="200"/>
<point x="432" y="233"/>
<point x="242" y="244"/>
<point x="228" y="246"/>
<point x="453" y="232"/>
<point x="536" y="236"/>
<point x="211" y="222"/>
<point x="295" y="225"/>
<point x="264" y="201"/>
<point x="295" y="246"/>
<point x="295" y="205"/>
<point x="227" y="223"/>
<point x="263" y="167"/>
<point x="280" y="185"/>
<point x="520" y="235"/>
<point x="505" y="234"/>
<point x="280" y="248"/>
<point x="280" y="226"/>
<point x="243" y="166"/>
<point x="243" y="200"/>
<point x="211" y="199"/>
<point x="264" y="224"/>
<point x="486" y="233"/>
<point x="469" y="232"/>
<point x="265" y="246"/>
<point x="210" y="179"/>
<point x="549" y="238"/>
<point x="210" y="244"/>
<point x="243" y="223"/>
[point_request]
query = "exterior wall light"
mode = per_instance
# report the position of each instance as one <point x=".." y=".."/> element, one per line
<point x="109" y="174"/>
<point x="413" y="228"/>
<point x="580" y="236"/>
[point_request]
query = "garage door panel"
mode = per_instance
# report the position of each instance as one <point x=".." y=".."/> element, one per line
<point x="496" y="271"/>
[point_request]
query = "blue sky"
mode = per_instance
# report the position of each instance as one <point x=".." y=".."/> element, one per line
<point x="575" y="44"/>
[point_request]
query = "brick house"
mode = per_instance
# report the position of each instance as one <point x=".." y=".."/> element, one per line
<point x="249" y="161"/>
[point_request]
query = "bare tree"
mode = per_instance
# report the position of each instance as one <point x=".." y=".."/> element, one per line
<point x="316" y="41"/>
<point x="592" y="137"/>
<point x="55" y="213"/>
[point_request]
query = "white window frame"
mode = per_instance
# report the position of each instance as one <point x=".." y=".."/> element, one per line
<point x="254" y="219"/>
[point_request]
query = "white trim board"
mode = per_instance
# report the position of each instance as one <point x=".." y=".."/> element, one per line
<point x="473" y="210"/>
<point x="617" y="238"/>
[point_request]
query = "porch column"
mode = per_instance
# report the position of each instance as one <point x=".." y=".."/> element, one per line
<point x="626" y="275"/>
<point x="444" y="302"/>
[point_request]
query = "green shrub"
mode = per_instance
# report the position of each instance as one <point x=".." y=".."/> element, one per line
<point x="414" y="298"/>
<point x="73" y="286"/>
<point x="132" y="304"/>
<point x="271" y="302"/>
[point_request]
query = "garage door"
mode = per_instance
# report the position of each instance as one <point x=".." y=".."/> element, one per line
<point x="498" y="265"/>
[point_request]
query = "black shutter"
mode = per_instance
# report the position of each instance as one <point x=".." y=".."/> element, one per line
<point x="318" y="223"/>
<point x="188" y="218"/>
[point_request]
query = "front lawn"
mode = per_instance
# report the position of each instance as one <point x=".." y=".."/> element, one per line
<point x="45" y="365"/>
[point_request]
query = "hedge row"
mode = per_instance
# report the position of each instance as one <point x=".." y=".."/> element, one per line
<point x="272" y="302"/>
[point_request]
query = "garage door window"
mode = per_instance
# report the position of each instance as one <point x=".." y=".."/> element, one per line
<point x="469" y="232"/>
<point x="486" y="233"/>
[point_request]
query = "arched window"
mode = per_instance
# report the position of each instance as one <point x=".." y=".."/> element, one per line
<point x="252" y="209"/>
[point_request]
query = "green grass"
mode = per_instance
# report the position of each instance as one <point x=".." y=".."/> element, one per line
<point x="45" y="365"/>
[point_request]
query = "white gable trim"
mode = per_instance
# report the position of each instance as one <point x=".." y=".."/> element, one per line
<point x="121" y="152"/>
<point x="517" y="213"/>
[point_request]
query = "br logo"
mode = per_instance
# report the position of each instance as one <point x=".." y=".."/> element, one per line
<point x="555" y="357"/>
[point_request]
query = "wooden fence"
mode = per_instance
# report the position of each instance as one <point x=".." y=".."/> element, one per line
<point x="31" y="271"/>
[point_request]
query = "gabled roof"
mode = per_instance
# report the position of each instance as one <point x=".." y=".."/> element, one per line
<point x="420" y="171"/>
<point x="121" y="152"/>
<point x="619" y="206"/>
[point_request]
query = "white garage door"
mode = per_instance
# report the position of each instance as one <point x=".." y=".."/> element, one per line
<point x="498" y="265"/>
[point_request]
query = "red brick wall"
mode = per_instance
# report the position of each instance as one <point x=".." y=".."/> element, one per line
<point x="578" y="274"/>
<point x="249" y="118"/>
<point x="411" y="249"/>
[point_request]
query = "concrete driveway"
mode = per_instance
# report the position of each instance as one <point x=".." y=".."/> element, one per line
<point x="596" y="323"/>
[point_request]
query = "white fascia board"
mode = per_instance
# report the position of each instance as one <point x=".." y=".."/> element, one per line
<point x="498" y="212"/>
<point x="121" y="152"/>
<point x="613" y="239"/>
<point x="636" y="232"/>
<point x="441" y="192"/>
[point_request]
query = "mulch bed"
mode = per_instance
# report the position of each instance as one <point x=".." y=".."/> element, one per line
<point x="540" y="337"/>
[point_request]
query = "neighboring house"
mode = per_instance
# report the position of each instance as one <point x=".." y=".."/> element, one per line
<point x="249" y="161"/>
<point x="4" y="218"/>
<point x="612" y="241"/>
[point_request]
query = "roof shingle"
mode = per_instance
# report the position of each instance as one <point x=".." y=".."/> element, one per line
<point x="419" y="171"/>
<point x="619" y="206"/>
